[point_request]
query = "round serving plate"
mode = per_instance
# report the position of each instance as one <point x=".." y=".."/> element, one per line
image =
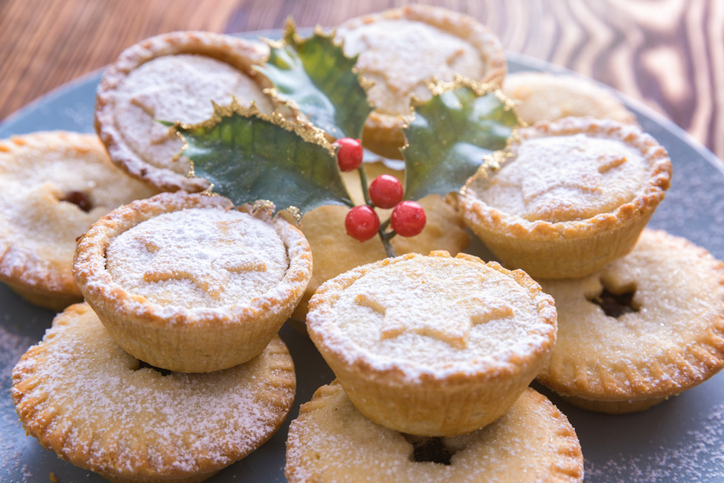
<point x="680" y="440"/>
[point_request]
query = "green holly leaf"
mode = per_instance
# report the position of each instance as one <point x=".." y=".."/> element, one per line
<point x="249" y="156"/>
<point x="450" y="135"/>
<point x="316" y="77"/>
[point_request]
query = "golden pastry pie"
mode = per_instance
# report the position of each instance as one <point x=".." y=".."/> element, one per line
<point x="54" y="186"/>
<point x="646" y="327"/>
<point x="433" y="345"/>
<point x="172" y="77"/>
<point x="188" y="284"/>
<point x="331" y="441"/>
<point x="98" y="407"/>
<point x="546" y="97"/>
<point x="335" y="252"/>
<point x="403" y="50"/>
<point x="573" y="196"/>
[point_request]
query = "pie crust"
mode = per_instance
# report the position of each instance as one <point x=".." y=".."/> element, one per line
<point x="191" y="290"/>
<point x="172" y="77"/>
<point x="335" y="252"/>
<point x="96" y="406"/>
<point x="547" y="97"/>
<point x="332" y="441"/>
<point x="579" y="200"/>
<point x="404" y="50"/>
<point x="674" y="341"/>
<point x="433" y="345"/>
<point x="54" y="185"/>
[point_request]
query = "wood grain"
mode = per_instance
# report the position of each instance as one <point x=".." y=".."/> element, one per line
<point x="668" y="54"/>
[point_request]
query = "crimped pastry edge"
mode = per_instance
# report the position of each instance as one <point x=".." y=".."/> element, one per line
<point x="567" y="466"/>
<point x="320" y="310"/>
<point x="123" y="312"/>
<point x="239" y="53"/>
<point x="695" y="363"/>
<point x="46" y="425"/>
<point x="47" y="283"/>
<point x="382" y="132"/>
<point x="603" y="96"/>
<point x="458" y="401"/>
<point x="619" y="229"/>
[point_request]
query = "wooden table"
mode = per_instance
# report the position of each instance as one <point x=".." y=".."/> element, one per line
<point x="668" y="54"/>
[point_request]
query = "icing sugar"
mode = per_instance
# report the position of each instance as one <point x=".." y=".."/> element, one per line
<point x="176" y="88"/>
<point x="198" y="257"/>
<point x="12" y="347"/>
<point x="120" y="416"/>
<point x="433" y="317"/>
<point x="403" y="56"/>
<point x="678" y="294"/>
<point x="332" y="441"/>
<point x="566" y="178"/>
<point x="36" y="171"/>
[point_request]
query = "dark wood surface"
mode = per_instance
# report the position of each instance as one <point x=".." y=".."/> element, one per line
<point x="668" y="54"/>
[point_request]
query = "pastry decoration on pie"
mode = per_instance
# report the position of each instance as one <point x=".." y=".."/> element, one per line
<point x="54" y="185"/>
<point x="186" y="283"/>
<point x="402" y="51"/>
<point x="571" y="196"/>
<point x="646" y="327"/>
<point x="333" y="441"/>
<point x="547" y="97"/>
<point x="433" y="345"/>
<point x="100" y="408"/>
<point x="334" y="252"/>
<point x="172" y="77"/>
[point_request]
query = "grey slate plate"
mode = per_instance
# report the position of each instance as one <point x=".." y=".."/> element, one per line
<point x="681" y="440"/>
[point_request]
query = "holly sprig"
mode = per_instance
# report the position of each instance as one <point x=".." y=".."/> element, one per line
<point x="248" y="156"/>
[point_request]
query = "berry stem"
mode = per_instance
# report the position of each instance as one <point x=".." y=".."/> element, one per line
<point x="386" y="237"/>
<point x="365" y="190"/>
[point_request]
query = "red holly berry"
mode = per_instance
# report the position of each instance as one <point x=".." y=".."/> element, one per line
<point x="349" y="154"/>
<point x="362" y="223"/>
<point x="386" y="191"/>
<point x="408" y="218"/>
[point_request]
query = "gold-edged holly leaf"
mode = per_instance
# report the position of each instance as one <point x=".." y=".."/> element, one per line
<point x="451" y="134"/>
<point x="249" y="156"/>
<point x="315" y="76"/>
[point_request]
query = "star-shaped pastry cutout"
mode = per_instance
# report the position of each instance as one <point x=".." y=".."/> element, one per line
<point x="425" y="305"/>
<point x="206" y="258"/>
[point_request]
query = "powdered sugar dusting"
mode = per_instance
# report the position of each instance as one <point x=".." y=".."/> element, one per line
<point x="176" y="88"/>
<point x="564" y="178"/>
<point x="403" y="56"/>
<point x="37" y="228"/>
<point x="431" y="315"/>
<point x="198" y="257"/>
<point x="697" y="457"/>
<point x="119" y="416"/>
<point x="333" y="441"/>
<point x="12" y="346"/>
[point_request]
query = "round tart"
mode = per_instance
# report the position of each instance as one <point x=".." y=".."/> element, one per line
<point x="185" y="283"/>
<point x="54" y="186"/>
<point x="98" y="407"/>
<point x="172" y="77"/>
<point x="403" y="50"/>
<point x="547" y="97"/>
<point x="332" y="441"/>
<point x="334" y="252"/>
<point x="433" y="346"/>
<point x="573" y="196"/>
<point x="646" y="327"/>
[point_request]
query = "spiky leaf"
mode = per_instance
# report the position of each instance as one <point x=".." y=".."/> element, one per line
<point x="316" y="76"/>
<point x="248" y="156"/>
<point x="449" y="136"/>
